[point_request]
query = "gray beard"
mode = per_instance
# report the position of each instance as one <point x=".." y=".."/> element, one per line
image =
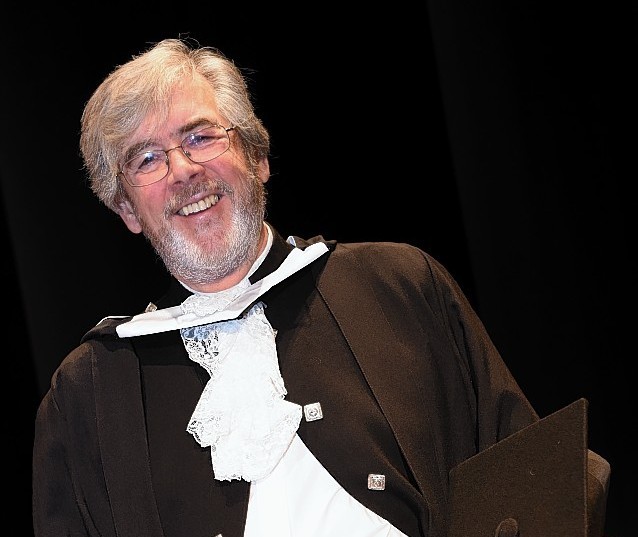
<point x="206" y="259"/>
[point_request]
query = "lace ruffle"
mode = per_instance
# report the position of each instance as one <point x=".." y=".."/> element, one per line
<point x="241" y="414"/>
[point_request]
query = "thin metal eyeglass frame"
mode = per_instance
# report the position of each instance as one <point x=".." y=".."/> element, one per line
<point x="186" y="154"/>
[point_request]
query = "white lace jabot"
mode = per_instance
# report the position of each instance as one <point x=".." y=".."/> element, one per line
<point x="241" y="414"/>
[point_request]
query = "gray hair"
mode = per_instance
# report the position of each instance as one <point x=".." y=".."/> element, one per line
<point x="142" y="86"/>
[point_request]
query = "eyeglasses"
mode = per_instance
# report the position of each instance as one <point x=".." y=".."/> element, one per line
<point x="149" y="167"/>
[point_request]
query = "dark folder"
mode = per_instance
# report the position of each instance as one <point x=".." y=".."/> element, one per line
<point x="531" y="484"/>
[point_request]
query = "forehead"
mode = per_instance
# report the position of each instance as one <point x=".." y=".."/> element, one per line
<point x="193" y="99"/>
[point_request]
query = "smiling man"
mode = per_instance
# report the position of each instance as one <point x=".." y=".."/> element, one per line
<point x="278" y="387"/>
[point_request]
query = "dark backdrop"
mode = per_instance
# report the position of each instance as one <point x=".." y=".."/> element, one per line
<point x="507" y="151"/>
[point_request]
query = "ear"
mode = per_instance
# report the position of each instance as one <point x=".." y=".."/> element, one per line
<point x="263" y="170"/>
<point x="127" y="214"/>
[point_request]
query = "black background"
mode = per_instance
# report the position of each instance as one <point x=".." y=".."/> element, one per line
<point x="499" y="137"/>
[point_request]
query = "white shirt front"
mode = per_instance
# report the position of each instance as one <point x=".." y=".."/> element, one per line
<point x="301" y="499"/>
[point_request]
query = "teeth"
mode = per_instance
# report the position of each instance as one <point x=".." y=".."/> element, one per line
<point x="199" y="206"/>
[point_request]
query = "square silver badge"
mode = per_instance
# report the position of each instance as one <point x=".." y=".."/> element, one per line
<point x="312" y="411"/>
<point x="376" y="481"/>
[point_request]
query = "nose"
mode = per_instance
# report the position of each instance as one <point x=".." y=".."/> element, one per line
<point x="180" y="167"/>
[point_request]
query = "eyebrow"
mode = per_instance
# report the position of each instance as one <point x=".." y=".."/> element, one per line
<point x="142" y="145"/>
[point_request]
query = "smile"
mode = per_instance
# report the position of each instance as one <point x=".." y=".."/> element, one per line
<point x="200" y="205"/>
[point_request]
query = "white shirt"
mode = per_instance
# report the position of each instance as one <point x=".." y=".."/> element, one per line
<point x="301" y="499"/>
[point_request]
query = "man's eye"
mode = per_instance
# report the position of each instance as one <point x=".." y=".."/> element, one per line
<point x="199" y="140"/>
<point x="146" y="160"/>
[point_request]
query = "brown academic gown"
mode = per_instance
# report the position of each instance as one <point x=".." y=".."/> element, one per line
<point x="379" y="334"/>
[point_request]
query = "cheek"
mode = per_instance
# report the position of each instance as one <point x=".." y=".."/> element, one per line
<point x="150" y="202"/>
<point x="235" y="166"/>
<point x="231" y="173"/>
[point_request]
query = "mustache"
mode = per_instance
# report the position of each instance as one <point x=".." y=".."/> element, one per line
<point x="180" y="199"/>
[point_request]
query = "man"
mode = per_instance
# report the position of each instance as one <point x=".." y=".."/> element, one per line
<point x="279" y="387"/>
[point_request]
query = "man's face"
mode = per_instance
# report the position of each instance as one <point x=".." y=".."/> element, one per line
<point x="204" y="220"/>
